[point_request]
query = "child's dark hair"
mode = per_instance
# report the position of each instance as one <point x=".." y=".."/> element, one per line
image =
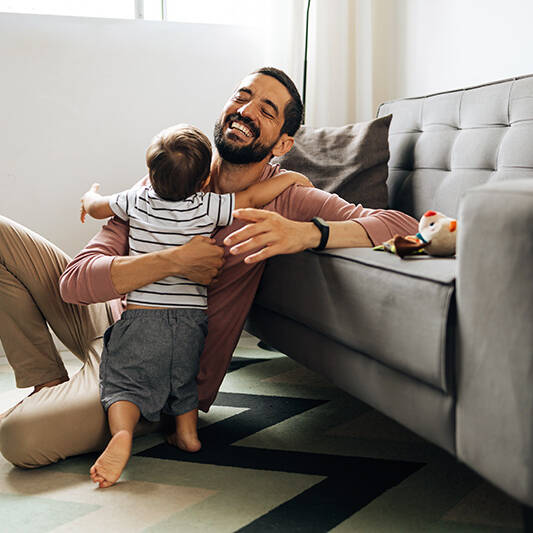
<point x="178" y="159"/>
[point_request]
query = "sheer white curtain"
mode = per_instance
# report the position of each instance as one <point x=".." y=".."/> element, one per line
<point x="349" y="61"/>
<point x="284" y="36"/>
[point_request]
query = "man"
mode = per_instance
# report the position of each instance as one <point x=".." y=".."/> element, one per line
<point x="64" y="417"/>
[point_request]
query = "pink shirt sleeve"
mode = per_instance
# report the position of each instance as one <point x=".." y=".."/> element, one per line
<point x="304" y="203"/>
<point x="87" y="278"/>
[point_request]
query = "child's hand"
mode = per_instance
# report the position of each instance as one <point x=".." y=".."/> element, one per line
<point x="86" y="200"/>
<point x="300" y="179"/>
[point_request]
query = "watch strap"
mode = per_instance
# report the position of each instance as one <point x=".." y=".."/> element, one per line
<point x="324" y="233"/>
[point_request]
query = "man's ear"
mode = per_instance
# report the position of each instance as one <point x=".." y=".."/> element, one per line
<point x="283" y="145"/>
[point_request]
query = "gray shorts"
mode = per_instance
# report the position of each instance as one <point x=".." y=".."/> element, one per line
<point x="151" y="357"/>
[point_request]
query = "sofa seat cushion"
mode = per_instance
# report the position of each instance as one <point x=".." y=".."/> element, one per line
<point x="396" y="311"/>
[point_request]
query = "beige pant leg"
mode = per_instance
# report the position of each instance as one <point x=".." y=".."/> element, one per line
<point x="61" y="421"/>
<point x="67" y="419"/>
<point x="27" y="342"/>
<point x="30" y="267"/>
<point x="57" y="422"/>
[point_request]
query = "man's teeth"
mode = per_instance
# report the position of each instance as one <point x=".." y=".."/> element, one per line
<point x="242" y="128"/>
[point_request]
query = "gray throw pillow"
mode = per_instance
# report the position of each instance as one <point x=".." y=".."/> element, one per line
<point x="350" y="161"/>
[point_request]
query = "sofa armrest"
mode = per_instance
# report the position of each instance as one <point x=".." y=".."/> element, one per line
<point x="495" y="335"/>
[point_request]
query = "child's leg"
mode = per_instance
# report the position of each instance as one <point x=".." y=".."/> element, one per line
<point x="190" y="327"/>
<point x="123" y="417"/>
<point x="186" y="435"/>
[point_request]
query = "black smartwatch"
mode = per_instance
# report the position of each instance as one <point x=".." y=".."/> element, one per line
<point x="324" y="232"/>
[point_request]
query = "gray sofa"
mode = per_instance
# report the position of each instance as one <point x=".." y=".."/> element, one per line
<point x="442" y="345"/>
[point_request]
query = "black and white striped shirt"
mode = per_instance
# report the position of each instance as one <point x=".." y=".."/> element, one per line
<point x="156" y="224"/>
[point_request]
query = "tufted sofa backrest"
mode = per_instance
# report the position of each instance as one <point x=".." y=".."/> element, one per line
<point x="443" y="144"/>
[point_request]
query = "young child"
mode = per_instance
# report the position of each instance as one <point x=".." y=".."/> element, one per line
<point x="150" y="356"/>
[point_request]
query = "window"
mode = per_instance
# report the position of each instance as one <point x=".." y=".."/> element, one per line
<point x="236" y="12"/>
<point x="79" y="8"/>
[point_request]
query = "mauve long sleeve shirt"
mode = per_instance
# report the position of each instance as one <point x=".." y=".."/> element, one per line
<point x="87" y="278"/>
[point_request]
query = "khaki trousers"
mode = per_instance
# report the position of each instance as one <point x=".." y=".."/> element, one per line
<point x="67" y="419"/>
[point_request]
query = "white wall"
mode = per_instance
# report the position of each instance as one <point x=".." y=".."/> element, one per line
<point x="81" y="98"/>
<point x="448" y="44"/>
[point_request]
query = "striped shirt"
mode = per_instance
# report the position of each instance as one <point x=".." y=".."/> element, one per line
<point x="155" y="224"/>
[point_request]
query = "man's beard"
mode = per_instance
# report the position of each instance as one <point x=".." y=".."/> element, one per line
<point x="240" y="155"/>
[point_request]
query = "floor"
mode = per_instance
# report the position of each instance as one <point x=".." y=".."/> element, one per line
<point x="277" y="437"/>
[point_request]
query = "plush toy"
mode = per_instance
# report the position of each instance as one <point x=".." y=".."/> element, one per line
<point x="436" y="235"/>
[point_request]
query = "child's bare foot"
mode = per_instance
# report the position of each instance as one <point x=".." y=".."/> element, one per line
<point x="187" y="443"/>
<point x="186" y="435"/>
<point x="108" y="467"/>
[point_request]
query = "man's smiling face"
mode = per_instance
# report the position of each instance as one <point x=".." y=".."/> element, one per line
<point x="251" y="121"/>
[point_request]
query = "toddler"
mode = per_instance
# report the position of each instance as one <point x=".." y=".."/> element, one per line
<point x="151" y="355"/>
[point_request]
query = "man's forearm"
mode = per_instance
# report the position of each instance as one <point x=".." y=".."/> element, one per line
<point x="272" y="234"/>
<point x="198" y="260"/>
<point x="129" y="273"/>
<point x="344" y="234"/>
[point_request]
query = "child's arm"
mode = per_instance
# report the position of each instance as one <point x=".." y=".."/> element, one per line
<point x="95" y="204"/>
<point x="262" y="193"/>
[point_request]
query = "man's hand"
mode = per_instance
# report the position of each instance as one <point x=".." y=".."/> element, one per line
<point x="198" y="260"/>
<point x="271" y="234"/>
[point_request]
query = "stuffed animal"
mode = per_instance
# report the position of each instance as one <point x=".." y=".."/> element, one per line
<point x="437" y="235"/>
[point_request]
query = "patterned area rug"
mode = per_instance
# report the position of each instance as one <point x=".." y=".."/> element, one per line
<point x="283" y="450"/>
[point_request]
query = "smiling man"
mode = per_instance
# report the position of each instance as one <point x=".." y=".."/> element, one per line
<point x="242" y="137"/>
<point x="64" y="417"/>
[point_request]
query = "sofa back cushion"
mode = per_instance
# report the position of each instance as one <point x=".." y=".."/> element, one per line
<point x="442" y="144"/>
<point x="350" y="160"/>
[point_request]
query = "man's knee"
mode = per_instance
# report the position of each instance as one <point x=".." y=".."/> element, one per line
<point x="18" y="444"/>
<point x="39" y="432"/>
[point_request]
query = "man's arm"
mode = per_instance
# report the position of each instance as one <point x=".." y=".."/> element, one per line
<point x="100" y="273"/>
<point x="287" y="229"/>
<point x="275" y="235"/>
<point x="198" y="260"/>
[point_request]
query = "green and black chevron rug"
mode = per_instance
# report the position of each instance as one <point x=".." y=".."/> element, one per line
<point x="283" y="450"/>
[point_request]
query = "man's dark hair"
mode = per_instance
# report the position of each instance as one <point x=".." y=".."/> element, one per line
<point x="294" y="109"/>
<point x="178" y="161"/>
